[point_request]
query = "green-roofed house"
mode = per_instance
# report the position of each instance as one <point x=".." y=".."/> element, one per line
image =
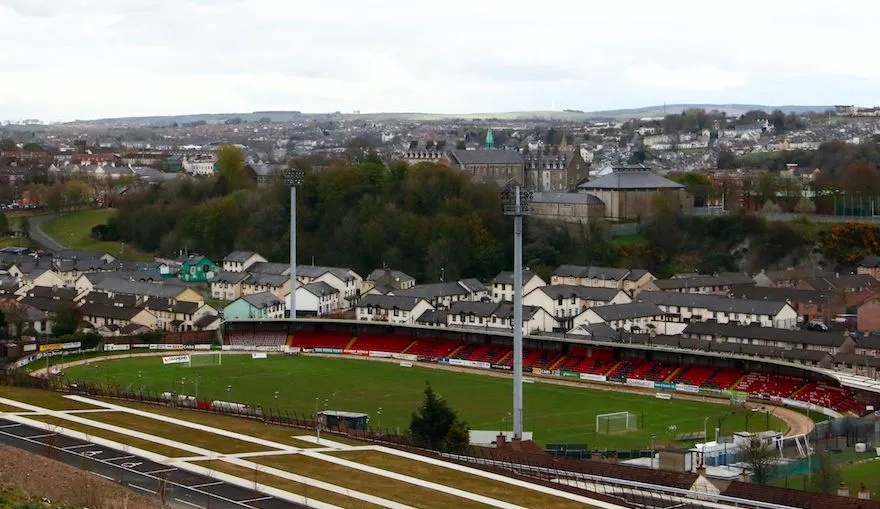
<point x="196" y="269"/>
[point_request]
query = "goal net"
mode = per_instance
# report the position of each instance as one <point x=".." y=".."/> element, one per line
<point x="205" y="359"/>
<point x="616" y="422"/>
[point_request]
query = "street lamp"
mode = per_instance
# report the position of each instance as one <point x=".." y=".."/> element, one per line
<point x="516" y="201"/>
<point x="293" y="178"/>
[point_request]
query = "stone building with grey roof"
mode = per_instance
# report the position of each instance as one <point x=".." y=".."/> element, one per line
<point x="631" y="192"/>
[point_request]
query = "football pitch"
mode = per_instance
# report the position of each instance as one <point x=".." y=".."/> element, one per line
<point x="390" y="393"/>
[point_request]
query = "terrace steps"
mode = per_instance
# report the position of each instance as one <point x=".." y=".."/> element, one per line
<point x="557" y="363"/>
<point x="672" y="375"/>
<point x="737" y="381"/>
<point x="453" y="353"/>
<point x="351" y="342"/>
<point x="508" y="354"/>
<point x="409" y="346"/>
<point x="613" y="368"/>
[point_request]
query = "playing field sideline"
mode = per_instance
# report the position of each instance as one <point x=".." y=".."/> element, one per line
<point x="389" y="393"/>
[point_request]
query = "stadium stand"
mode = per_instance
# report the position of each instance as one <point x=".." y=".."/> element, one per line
<point x="694" y="375"/>
<point x="261" y="338"/>
<point x="320" y="339"/>
<point x="483" y="353"/>
<point x="381" y="343"/>
<point x="769" y="384"/>
<point x="828" y="396"/>
<point x="434" y="348"/>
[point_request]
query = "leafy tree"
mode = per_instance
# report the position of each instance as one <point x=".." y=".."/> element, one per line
<point x="65" y="318"/>
<point x="3" y="324"/>
<point x="55" y="198"/>
<point x="759" y="460"/>
<point x="7" y="144"/>
<point x="32" y="147"/>
<point x="827" y="478"/>
<point x="861" y="179"/>
<point x="231" y="167"/>
<point x="766" y="188"/>
<point x="847" y="243"/>
<point x="436" y="426"/>
<point x="697" y="185"/>
<point x="725" y="159"/>
<point x="24" y="225"/>
<point x="460" y="145"/>
<point x="4" y="223"/>
<point x="805" y="206"/>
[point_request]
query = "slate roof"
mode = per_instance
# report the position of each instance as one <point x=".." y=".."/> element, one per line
<point x="277" y="269"/>
<point x="316" y="271"/>
<point x="104" y="299"/>
<point x="398" y="275"/>
<point x="272" y="280"/>
<point x="238" y="256"/>
<point x="75" y="254"/>
<point x="469" y="157"/>
<point x="230" y="277"/>
<point x="433" y="291"/>
<point x="505" y="311"/>
<point x="582" y="292"/>
<point x="124" y="286"/>
<point x="481" y="309"/>
<point x="849" y="282"/>
<point x="605" y="273"/>
<point x="704" y="281"/>
<point x="405" y="303"/>
<point x="433" y="317"/>
<point x="52" y="293"/>
<point x="506" y="277"/>
<point x="44" y="304"/>
<point x="104" y="311"/>
<point x="780" y="294"/>
<point x="205" y="320"/>
<point x="598" y="330"/>
<point x="630" y="178"/>
<point x="566" y="198"/>
<point x="712" y="303"/>
<point x="160" y="304"/>
<point x="627" y="311"/>
<point x="319" y="288"/>
<point x="871" y="261"/>
<point x="801" y="337"/>
<point x="262" y="300"/>
<point x="473" y="285"/>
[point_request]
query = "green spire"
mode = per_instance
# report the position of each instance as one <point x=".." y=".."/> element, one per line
<point x="490" y="140"/>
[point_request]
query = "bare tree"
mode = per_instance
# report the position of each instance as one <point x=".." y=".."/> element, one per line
<point x="759" y="458"/>
<point x="827" y="477"/>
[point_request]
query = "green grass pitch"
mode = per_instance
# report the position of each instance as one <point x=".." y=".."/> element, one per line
<point x="554" y="413"/>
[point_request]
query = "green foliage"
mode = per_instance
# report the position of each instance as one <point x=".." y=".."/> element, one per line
<point x="827" y="477"/>
<point x="725" y="159"/>
<point x="847" y="243"/>
<point x="88" y="339"/>
<point x="832" y="157"/>
<point x="65" y="319"/>
<point x="697" y="184"/>
<point x="436" y="426"/>
<point x="4" y="223"/>
<point x="231" y="167"/>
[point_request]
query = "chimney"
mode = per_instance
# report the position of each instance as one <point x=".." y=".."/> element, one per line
<point x="842" y="490"/>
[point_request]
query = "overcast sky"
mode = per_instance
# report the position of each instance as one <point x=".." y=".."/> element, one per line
<point x="67" y="59"/>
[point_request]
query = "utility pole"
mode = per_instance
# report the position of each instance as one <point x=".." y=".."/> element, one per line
<point x="516" y="201"/>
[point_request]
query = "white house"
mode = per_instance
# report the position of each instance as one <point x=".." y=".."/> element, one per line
<point x="443" y="295"/>
<point x="316" y="298"/>
<point x="564" y="302"/>
<point x="490" y="315"/>
<point x="227" y="285"/>
<point x="636" y="317"/>
<point x="630" y="281"/>
<point x="199" y="165"/>
<point x="692" y="307"/>
<point x="240" y="261"/>
<point x="346" y="281"/>
<point x="390" y="308"/>
<point x="501" y="288"/>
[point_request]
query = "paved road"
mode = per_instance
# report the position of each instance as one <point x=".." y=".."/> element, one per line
<point x="183" y="490"/>
<point x="37" y="235"/>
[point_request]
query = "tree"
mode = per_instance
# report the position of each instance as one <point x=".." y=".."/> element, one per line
<point x="15" y="316"/>
<point x="805" y="206"/>
<point x="436" y="426"/>
<point x="4" y="223"/>
<point x="231" y="167"/>
<point x="460" y="145"/>
<point x="861" y="179"/>
<point x="759" y="459"/>
<point x="725" y="159"/>
<point x="766" y="187"/>
<point x="697" y="185"/>
<point x="65" y="319"/>
<point x="827" y="478"/>
<point x="24" y="225"/>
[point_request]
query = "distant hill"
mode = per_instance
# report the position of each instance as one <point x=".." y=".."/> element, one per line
<point x="565" y="115"/>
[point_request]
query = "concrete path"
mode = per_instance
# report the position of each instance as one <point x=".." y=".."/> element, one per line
<point x="41" y="239"/>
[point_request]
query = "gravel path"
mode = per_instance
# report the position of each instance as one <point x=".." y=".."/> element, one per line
<point x="798" y="423"/>
<point x="36" y="233"/>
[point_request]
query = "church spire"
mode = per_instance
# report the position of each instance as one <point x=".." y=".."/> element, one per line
<point x="490" y="139"/>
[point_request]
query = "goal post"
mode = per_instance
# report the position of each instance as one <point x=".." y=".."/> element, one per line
<point x="206" y="359"/>
<point x="617" y="422"/>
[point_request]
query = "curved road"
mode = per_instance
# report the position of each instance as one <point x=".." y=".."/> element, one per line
<point x="36" y="233"/>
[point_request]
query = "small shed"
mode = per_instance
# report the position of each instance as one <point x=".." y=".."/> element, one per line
<point x="337" y="420"/>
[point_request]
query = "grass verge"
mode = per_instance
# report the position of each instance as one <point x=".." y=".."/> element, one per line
<point x="203" y="439"/>
<point x="455" y="479"/>
<point x="285" y="484"/>
<point x="45" y="399"/>
<point x="146" y="445"/>
<point x="365" y="483"/>
<point x="74" y="231"/>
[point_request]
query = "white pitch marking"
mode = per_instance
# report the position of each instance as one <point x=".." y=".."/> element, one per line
<point x="135" y="486"/>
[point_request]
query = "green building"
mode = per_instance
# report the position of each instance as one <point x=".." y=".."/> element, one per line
<point x="197" y="269"/>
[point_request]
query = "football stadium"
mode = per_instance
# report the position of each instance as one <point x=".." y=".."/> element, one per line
<point x="316" y="413"/>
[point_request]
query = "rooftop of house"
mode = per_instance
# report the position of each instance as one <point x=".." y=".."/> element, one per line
<point x="238" y="256"/>
<point x="566" y="198"/>
<point x="630" y="178"/>
<point x="405" y="303"/>
<point x="505" y="277"/>
<point x="262" y="300"/>
<point x="602" y="273"/>
<point x="400" y="276"/>
<point x="712" y="303"/>
<point x="319" y="288"/>
<point x="556" y="292"/>
<point x="702" y="281"/>
<point x="727" y="330"/>
<point x="469" y="157"/>
<point x="627" y="311"/>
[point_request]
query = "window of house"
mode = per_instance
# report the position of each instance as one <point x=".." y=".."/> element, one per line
<point x="396" y="312"/>
<point x="559" y="301"/>
<point x="574" y="300"/>
<point x="471" y="319"/>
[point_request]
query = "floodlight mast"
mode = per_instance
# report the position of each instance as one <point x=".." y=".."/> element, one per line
<point x="293" y="178"/>
<point x="516" y="201"/>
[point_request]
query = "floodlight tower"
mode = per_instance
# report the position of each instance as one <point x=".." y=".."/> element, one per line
<point x="293" y="178"/>
<point x="517" y="203"/>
